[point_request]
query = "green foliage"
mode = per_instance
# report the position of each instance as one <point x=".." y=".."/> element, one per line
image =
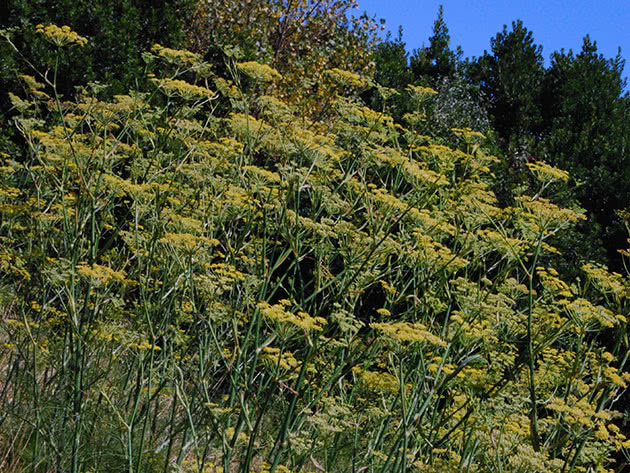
<point x="119" y="32"/>
<point x="184" y="290"/>
<point x="391" y="76"/>
<point x="437" y="61"/>
<point x="586" y="123"/>
<point x="391" y="63"/>
<point x="510" y="77"/>
<point x="300" y="39"/>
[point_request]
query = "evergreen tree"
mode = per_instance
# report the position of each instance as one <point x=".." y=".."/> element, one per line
<point x="391" y="71"/>
<point x="392" y="63"/>
<point x="511" y="77"/>
<point x="430" y="64"/>
<point x="587" y="131"/>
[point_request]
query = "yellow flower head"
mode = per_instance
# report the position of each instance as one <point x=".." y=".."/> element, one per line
<point x="420" y="93"/>
<point x="60" y="36"/>
<point x="468" y="134"/>
<point x="100" y="274"/>
<point x="302" y="320"/>
<point x="175" y="56"/>
<point x="546" y="173"/>
<point x="347" y="78"/>
<point x="259" y="72"/>
<point x="407" y="332"/>
<point x="182" y="88"/>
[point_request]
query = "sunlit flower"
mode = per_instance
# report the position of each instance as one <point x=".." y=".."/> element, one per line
<point x="60" y="36"/>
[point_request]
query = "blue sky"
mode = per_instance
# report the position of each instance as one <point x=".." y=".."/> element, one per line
<point x="555" y="24"/>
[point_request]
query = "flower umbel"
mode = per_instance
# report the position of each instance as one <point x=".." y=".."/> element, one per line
<point x="302" y="320"/>
<point x="60" y="36"/>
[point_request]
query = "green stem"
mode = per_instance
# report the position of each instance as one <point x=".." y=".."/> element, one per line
<point x="530" y="351"/>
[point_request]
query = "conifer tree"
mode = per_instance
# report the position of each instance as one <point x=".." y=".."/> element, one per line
<point x="510" y="76"/>
<point x="433" y="62"/>
<point x="392" y="63"/>
<point x="586" y="122"/>
<point x="393" y="74"/>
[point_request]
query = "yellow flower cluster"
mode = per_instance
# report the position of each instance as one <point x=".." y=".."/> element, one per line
<point x="383" y="312"/>
<point x="145" y="345"/>
<point x="173" y="87"/>
<point x="468" y="134"/>
<point x="445" y="155"/>
<point x="346" y="78"/>
<point x="408" y="332"/>
<point x="175" y="56"/>
<point x="100" y="274"/>
<point x="121" y="186"/>
<point x="284" y="360"/>
<point x="423" y="175"/>
<point x="218" y="154"/>
<point x="378" y="381"/>
<point x="264" y="174"/>
<point x="420" y="93"/>
<point x="241" y="439"/>
<point x="585" y="314"/>
<point x="278" y="313"/>
<point x="550" y="280"/>
<point x="246" y="126"/>
<point x="475" y="204"/>
<point x="431" y="252"/>
<point x="60" y="36"/>
<point x="275" y="109"/>
<point x="481" y="329"/>
<point x="546" y="173"/>
<point x="279" y="468"/>
<point x="577" y="411"/>
<point x="608" y="282"/>
<point x="309" y="224"/>
<point x="227" y="88"/>
<point x="546" y="214"/>
<point x="505" y="245"/>
<point x="612" y="375"/>
<point x="34" y="86"/>
<point x="259" y="72"/>
<point x="220" y="278"/>
<point x="187" y="241"/>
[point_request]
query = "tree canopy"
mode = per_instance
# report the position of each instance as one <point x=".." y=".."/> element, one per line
<point x="436" y="61"/>
<point x="510" y="77"/>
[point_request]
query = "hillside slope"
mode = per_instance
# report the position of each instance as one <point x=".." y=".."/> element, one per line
<point x="199" y="277"/>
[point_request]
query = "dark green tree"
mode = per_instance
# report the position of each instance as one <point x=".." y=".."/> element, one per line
<point x="392" y="63"/>
<point x="431" y="63"/>
<point x="119" y="31"/>
<point x="510" y="77"/>
<point x="391" y="71"/>
<point x="587" y="132"/>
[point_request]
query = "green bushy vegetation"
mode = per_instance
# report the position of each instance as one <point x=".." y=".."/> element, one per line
<point x="571" y="114"/>
<point x="201" y="275"/>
